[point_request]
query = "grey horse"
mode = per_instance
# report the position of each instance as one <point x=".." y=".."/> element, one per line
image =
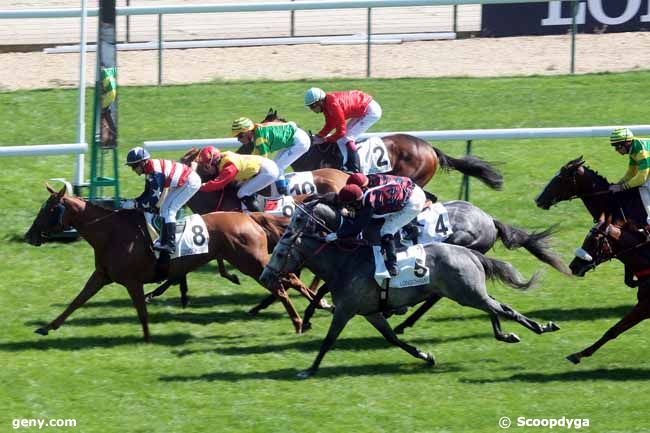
<point x="473" y="228"/>
<point x="458" y="274"/>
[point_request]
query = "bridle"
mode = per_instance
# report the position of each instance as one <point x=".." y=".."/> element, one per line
<point x="604" y="247"/>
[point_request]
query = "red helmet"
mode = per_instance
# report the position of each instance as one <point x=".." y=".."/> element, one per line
<point x="208" y="155"/>
<point x="350" y="193"/>
<point x="359" y="179"/>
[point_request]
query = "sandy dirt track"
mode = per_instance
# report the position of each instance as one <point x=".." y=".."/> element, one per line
<point x="479" y="57"/>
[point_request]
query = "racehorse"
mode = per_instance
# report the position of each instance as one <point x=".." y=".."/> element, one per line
<point x="123" y="252"/>
<point x="625" y="242"/>
<point x="475" y="229"/>
<point x="576" y="180"/>
<point x="458" y="274"/>
<point x="409" y="156"/>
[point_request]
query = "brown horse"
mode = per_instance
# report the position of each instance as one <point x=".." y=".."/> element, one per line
<point x="123" y="252"/>
<point x="409" y="156"/>
<point x="625" y="242"/>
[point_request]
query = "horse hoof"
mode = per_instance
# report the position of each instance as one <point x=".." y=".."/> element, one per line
<point x="41" y="331"/>
<point x="551" y="327"/>
<point x="235" y="280"/>
<point x="430" y="359"/>
<point x="575" y="359"/>
<point x="512" y="338"/>
<point x="184" y="303"/>
<point x="305" y="374"/>
<point x="148" y="298"/>
<point x="306" y="326"/>
<point x="253" y="311"/>
<point x="399" y="330"/>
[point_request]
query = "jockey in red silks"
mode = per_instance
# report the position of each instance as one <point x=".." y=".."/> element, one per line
<point x="169" y="185"/>
<point x="350" y="114"/>
<point x="396" y="199"/>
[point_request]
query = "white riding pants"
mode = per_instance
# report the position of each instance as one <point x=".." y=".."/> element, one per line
<point x="644" y="192"/>
<point x="268" y="173"/>
<point x="178" y="196"/>
<point x="288" y="156"/>
<point x="357" y="126"/>
<point x="396" y="220"/>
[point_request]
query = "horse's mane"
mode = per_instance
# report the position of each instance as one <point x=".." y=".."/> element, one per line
<point x="598" y="177"/>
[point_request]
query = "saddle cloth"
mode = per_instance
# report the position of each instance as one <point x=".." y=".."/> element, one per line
<point x="192" y="235"/>
<point x="411" y="264"/>
<point x="301" y="182"/>
<point x="373" y="156"/>
<point x="279" y="206"/>
<point x="433" y="226"/>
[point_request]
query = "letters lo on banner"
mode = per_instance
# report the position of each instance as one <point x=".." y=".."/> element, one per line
<point x="552" y="18"/>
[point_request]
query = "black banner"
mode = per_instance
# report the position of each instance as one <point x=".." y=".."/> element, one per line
<point x="549" y="18"/>
<point x="106" y="84"/>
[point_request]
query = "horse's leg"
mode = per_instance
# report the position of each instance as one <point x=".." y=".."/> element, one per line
<point x="311" y="308"/>
<point x="313" y="287"/>
<point x="339" y="320"/>
<point x="638" y="313"/>
<point x="136" y="292"/>
<point x="496" y="307"/>
<point x="410" y="320"/>
<point x="499" y="334"/>
<point x="148" y="298"/>
<point x="183" y="290"/>
<point x="224" y="273"/>
<point x="264" y="303"/>
<point x="294" y="282"/>
<point x="381" y="324"/>
<point x="96" y="281"/>
<point x="281" y="293"/>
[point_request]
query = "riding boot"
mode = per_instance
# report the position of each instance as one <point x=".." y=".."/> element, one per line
<point x="252" y="203"/>
<point x="388" y="246"/>
<point x="167" y="238"/>
<point x="353" y="164"/>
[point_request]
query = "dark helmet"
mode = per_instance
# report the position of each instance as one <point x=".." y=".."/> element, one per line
<point x="137" y="154"/>
<point x="359" y="179"/>
<point x="350" y="193"/>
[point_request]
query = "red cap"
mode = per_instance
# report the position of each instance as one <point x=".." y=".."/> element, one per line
<point x="350" y="193"/>
<point x="208" y="155"/>
<point x="359" y="179"/>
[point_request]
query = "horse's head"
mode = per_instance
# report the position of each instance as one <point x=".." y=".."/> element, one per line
<point x="49" y="219"/>
<point x="308" y="225"/>
<point x="600" y="245"/>
<point x="563" y="186"/>
<point x="272" y="117"/>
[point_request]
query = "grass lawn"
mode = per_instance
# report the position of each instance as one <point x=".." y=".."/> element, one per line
<point x="211" y="367"/>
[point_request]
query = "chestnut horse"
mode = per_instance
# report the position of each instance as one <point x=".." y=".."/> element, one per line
<point x="409" y="156"/>
<point x="123" y="252"/>
<point x="625" y="242"/>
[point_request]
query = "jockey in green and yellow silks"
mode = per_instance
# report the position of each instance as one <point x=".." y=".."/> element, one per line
<point x="638" y="171"/>
<point x="109" y="87"/>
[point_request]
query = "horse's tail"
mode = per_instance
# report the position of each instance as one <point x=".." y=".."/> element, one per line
<point x="505" y="272"/>
<point x="471" y="166"/>
<point x="536" y="243"/>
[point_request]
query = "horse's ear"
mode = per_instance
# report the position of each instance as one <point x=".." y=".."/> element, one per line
<point x="49" y="188"/>
<point x="580" y="160"/>
<point x="609" y="219"/>
<point x="61" y="193"/>
<point x="602" y="217"/>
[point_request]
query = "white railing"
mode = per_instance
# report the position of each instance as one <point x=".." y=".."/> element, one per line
<point x="458" y="135"/>
<point x="44" y="149"/>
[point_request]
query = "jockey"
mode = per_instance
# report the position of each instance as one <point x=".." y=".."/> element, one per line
<point x="360" y="111"/>
<point x="180" y="183"/>
<point x="638" y="171"/>
<point x="291" y="141"/>
<point x="256" y="173"/>
<point x="397" y="201"/>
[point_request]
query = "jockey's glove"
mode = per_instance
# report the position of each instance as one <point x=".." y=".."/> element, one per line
<point x="331" y="237"/>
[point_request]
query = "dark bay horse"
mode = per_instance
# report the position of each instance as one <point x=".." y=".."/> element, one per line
<point x="576" y="180"/>
<point x="123" y="252"/>
<point x="475" y="229"/>
<point x="625" y="242"/>
<point x="457" y="273"/>
<point x="410" y="156"/>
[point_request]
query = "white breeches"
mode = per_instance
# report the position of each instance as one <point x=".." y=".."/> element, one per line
<point x="177" y="197"/>
<point x="359" y="125"/>
<point x="288" y="156"/>
<point x="396" y="220"/>
<point x="267" y="175"/>
<point x="644" y="192"/>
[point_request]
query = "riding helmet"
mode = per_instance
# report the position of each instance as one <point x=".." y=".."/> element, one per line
<point x="350" y="193"/>
<point x="136" y="155"/>
<point x="620" y="135"/>
<point x="312" y="95"/>
<point x="243" y="124"/>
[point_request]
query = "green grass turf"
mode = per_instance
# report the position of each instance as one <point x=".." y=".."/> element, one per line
<point x="213" y="368"/>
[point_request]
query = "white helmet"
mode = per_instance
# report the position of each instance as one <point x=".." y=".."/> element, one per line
<point x="312" y="95"/>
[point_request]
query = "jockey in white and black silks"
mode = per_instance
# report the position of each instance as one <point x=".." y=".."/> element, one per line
<point x="169" y="185"/>
<point x="395" y="199"/>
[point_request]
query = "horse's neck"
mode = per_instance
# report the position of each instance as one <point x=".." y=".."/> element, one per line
<point x="591" y="182"/>
<point x="86" y="217"/>
<point x="632" y="249"/>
